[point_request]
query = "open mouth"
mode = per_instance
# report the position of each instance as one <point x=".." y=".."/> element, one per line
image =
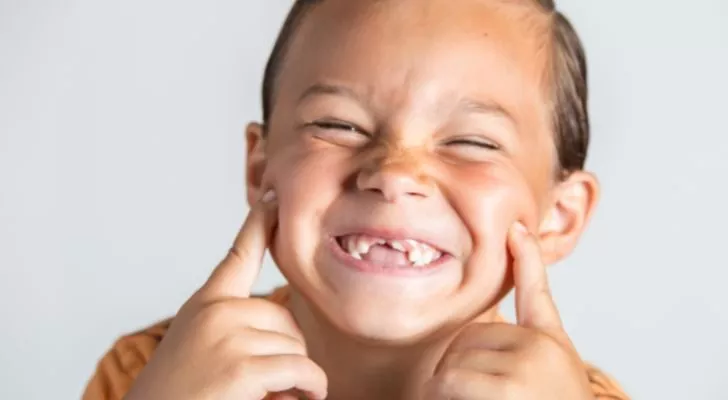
<point x="382" y="252"/>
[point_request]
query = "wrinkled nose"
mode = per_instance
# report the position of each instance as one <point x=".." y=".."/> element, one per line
<point x="396" y="179"/>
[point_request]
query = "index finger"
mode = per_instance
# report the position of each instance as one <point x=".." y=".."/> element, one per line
<point x="237" y="272"/>
<point x="535" y="307"/>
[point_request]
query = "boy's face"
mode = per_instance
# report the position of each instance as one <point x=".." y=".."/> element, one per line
<point x="410" y="119"/>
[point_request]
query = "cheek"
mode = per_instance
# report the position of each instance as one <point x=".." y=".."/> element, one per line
<point x="306" y="185"/>
<point x="489" y="199"/>
<point x="303" y="179"/>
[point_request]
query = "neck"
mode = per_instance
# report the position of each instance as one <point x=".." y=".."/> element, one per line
<point x="360" y="370"/>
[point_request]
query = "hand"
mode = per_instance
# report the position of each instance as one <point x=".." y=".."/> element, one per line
<point x="225" y="345"/>
<point x="533" y="360"/>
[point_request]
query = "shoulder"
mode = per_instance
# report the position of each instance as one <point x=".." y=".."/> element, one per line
<point x="604" y="386"/>
<point x="118" y="368"/>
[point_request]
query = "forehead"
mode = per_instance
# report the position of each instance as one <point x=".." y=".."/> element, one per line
<point x="415" y="53"/>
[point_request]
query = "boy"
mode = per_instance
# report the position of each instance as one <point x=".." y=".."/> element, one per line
<point x="417" y="161"/>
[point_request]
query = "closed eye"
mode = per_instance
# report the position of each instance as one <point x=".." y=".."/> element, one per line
<point x="472" y="142"/>
<point x="339" y="133"/>
<point x="337" y="125"/>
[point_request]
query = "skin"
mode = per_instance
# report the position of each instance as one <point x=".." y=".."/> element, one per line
<point x="412" y="111"/>
<point x="419" y="118"/>
<point x="225" y="345"/>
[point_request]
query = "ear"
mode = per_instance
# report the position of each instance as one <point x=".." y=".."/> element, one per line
<point x="572" y="203"/>
<point x="256" y="160"/>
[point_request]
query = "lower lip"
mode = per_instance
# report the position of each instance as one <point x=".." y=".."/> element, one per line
<point x="367" y="267"/>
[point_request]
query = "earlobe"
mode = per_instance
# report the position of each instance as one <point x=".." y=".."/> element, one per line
<point x="255" y="160"/>
<point x="572" y="206"/>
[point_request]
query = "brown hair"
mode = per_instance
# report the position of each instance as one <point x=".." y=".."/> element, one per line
<point x="567" y="75"/>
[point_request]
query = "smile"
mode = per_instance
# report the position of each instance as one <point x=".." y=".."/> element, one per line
<point x="390" y="253"/>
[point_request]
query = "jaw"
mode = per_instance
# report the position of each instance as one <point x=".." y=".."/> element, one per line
<point x="380" y="322"/>
<point x="389" y="364"/>
<point x="386" y="310"/>
<point x="382" y="303"/>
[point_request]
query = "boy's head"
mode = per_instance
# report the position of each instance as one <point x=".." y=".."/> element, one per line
<point x="439" y="121"/>
<point x="567" y="79"/>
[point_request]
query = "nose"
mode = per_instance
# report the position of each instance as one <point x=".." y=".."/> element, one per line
<point x="396" y="179"/>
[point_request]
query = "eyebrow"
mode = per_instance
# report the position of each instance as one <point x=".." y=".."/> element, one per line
<point x="489" y="107"/>
<point x="467" y="105"/>
<point x="328" y="89"/>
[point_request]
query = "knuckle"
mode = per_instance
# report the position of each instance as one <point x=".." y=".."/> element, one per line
<point x="225" y="311"/>
<point x="219" y="316"/>
<point x="474" y="330"/>
<point x="471" y="334"/>
<point x="309" y="367"/>
<point x="299" y="348"/>
<point x="513" y="388"/>
<point x="275" y="313"/>
<point x="453" y="359"/>
<point x="261" y="305"/>
<point x="193" y="305"/>
<point x="230" y="345"/>
<point x="547" y="346"/>
<point x="239" y="370"/>
<point x="213" y="314"/>
<point x="268" y="307"/>
<point x="243" y="313"/>
<point x="294" y="362"/>
<point x="540" y="346"/>
<point x="451" y="377"/>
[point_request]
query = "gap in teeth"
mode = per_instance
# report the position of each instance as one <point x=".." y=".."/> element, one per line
<point x="418" y="254"/>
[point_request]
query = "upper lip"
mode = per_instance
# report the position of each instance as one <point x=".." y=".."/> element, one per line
<point x="388" y="233"/>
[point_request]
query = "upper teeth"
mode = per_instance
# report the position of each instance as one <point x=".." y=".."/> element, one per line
<point x="419" y="254"/>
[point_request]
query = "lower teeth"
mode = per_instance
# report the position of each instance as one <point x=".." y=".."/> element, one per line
<point x="416" y="263"/>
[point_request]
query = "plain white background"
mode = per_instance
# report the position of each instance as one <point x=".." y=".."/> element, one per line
<point x="121" y="181"/>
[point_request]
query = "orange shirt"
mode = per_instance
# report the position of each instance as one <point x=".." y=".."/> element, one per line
<point x="117" y="370"/>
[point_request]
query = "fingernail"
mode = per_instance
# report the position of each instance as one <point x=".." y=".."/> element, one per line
<point x="268" y="196"/>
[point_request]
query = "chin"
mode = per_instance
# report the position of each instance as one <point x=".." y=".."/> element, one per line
<point x="376" y="311"/>
<point x="384" y="304"/>
<point x="383" y="321"/>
